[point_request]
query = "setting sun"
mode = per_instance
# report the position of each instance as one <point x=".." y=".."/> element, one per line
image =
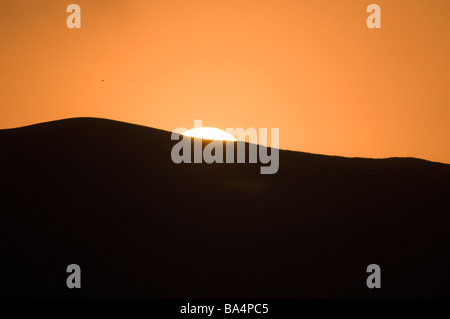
<point x="210" y="133"/>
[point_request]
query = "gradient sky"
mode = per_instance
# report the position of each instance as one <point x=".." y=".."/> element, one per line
<point x="311" y="68"/>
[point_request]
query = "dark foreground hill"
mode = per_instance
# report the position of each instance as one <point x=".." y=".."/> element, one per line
<point x="105" y="195"/>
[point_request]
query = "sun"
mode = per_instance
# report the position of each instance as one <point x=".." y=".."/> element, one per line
<point x="210" y="133"/>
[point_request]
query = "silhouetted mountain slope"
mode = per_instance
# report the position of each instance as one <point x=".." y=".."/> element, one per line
<point x="106" y="195"/>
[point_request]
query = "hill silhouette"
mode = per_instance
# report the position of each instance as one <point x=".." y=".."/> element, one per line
<point x="105" y="195"/>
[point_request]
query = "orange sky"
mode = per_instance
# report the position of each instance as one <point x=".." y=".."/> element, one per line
<point x="311" y="68"/>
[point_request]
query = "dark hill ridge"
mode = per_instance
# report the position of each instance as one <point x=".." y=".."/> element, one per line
<point x="106" y="195"/>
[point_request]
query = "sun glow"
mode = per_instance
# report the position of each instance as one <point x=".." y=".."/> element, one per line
<point x="210" y="133"/>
